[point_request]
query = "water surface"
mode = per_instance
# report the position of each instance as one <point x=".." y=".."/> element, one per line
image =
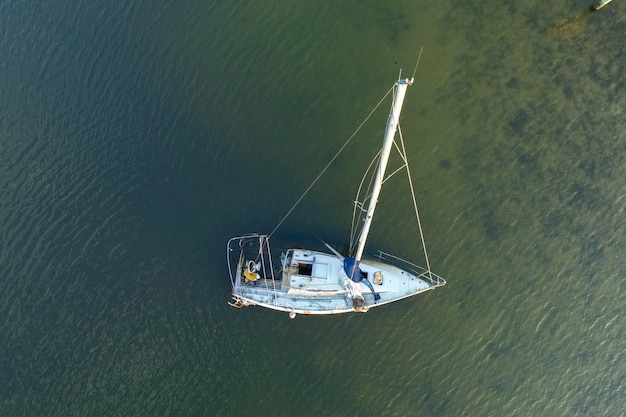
<point x="137" y="137"/>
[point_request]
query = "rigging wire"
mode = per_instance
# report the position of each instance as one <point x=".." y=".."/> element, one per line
<point x="419" y="223"/>
<point x="329" y="163"/>
<point x="418" y="62"/>
<point x="360" y="205"/>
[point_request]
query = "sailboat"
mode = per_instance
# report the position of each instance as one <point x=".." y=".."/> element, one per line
<point x="305" y="281"/>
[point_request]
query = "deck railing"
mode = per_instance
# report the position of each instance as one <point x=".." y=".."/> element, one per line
<point x="244" y="248"/>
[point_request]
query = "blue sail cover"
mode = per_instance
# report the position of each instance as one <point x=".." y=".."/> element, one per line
<point x="352" y="270"/>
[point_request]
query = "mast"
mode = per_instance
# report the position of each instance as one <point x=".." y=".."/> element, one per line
<point x="392" y="125"/>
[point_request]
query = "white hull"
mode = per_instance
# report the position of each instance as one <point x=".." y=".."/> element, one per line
<point x="312" y="305"/>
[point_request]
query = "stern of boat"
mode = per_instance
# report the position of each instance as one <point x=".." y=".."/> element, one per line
<point x="251" y="267"/>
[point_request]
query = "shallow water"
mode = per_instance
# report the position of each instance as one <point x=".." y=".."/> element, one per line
<point x="137" y="137"/>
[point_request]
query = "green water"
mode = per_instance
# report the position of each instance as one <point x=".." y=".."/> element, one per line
<point x="137" y="137"/>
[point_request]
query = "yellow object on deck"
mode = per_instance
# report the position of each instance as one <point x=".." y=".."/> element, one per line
<point x="250" y="274"/>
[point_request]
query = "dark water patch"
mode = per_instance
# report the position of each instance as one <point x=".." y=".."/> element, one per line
<point x="512" y="82"/>
<point x="552" y="222"/>
<point x="582" y="196"/>
<point x="395" y="23"/>
<point x="445" y="163"/>
<point x="591" y="251"/>
<point x="534" y="18"/>
<point x="492" y="223"/>
<point x="568" y="92"/>
<point x="435" y="401"/>
<point x="589" y="167"/>
<point x="518" y="123"/>
<point x="575" y="227"/>
<point x="528" y="161"/>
